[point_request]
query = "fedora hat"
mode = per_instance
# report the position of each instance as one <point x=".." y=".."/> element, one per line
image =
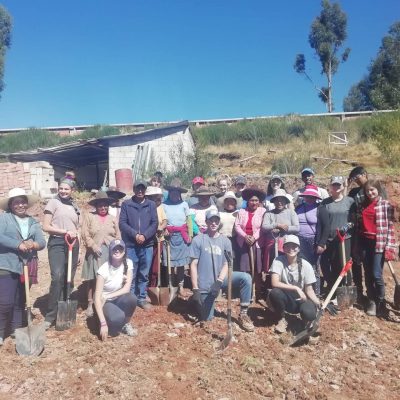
<point x="251" y="191"/>
<point x="115" y="193"/>
<point x="203" y="191"/>
<point x="280" y="193"/>
<point x="175" y="185"/>
<point x="101" y="197"/>
<point x="17" y="192"/>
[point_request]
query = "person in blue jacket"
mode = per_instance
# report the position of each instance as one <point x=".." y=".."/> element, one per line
<point x="138" y="223"/>
<point x="20" y="238"/>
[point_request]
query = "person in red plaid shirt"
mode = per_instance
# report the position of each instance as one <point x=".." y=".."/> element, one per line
<point x="378" y="244"/>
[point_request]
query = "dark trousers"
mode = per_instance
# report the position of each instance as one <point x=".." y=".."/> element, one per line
<point x="285" y="301"/>
<point x="12" y="300"/>
<point x="307" y="249"/>
<point x="119" y="311"/>
<point x="331" y="261"/>
<point x="58" y="260"/>
<point x="373" y="268"/>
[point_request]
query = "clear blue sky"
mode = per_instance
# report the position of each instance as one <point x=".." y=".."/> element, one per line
<point x="101" y="61"/>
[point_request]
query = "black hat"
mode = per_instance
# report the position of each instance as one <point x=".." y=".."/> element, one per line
<point x="248" y="193"/>
<point x="175" y="185"/>
<point x="101" y="197"/>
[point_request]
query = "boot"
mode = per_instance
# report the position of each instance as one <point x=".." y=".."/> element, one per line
<point x="381" y="308"/>
<point x="371" y="309"/>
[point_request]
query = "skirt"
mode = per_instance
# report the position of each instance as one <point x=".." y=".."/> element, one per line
<point x="179" y="251"/>
<point x="93" y="262"/>
<point x="244" y="258"/>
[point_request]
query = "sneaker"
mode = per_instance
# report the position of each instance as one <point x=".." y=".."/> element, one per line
<point x="246" y="323"/>
<point x="1" y="341"/>
<point x="129" y="330"/>
<point x="371" y="309"/>
<point x="47" y="325"/>
<point x="146" y="306"/>
<point x="281" y="326"/>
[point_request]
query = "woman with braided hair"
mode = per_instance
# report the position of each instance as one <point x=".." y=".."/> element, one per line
<point x="292" y="278"/>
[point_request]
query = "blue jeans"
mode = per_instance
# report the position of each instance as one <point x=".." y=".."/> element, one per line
<point x="307" y="250"/>
<point x="373" y="266"/>
<point x="141" y="258"/>
<point x="241" y="287"/>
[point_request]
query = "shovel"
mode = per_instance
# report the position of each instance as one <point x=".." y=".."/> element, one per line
<point x="347" y="294"/>
<point x="396" y="299"/>
<point x="253" y="286"/>
<point x="229" y="335"/>
<point x="66" y="312"/>
<point x="154" y="292"/>
<point x="313" y="328"/>
<point x="168" y="294"/>
<point x="29" y="341"/>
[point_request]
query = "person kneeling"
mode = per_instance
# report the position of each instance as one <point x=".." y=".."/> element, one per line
<point x="208" y="271"/>
<point x="292" y="278"/>
<point x="114" y="302"/>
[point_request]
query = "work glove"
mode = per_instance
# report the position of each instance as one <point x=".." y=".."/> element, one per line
<point x="332" y="309"/>
<point x="196" y="297"/>
<point x="215" y="288"/>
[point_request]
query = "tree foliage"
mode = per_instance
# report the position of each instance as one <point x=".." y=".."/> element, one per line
<point x="380" y="88"/>
<point x="5" y="40"/>
<point x="327" y="35"/>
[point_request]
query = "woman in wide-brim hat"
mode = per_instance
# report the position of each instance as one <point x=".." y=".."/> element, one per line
<point x="277" y="223"/>
<point x="99" y="228"/>
<point x="203" y="195"/>
<point x="20" y="238"/>
<point x="248" y="234"/>
<point x="177" y="231"/>
<point x="117" y="195"/>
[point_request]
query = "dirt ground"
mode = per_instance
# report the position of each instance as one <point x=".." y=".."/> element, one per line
<point x="354" y="357"/>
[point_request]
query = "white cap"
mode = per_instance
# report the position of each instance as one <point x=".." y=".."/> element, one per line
<point x="291" y="239"/>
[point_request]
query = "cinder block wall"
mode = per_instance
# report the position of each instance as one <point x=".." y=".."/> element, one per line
<point x="35" y="177"/>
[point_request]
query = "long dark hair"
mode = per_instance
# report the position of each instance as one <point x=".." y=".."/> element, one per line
<point x="124" y="261"/>
<point x="269" y="187"/>
<point x="378" y="185"/>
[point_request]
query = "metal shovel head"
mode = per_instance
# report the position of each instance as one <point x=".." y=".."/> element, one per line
<point x="164" y="296"/>
<point x="30" y="341"/>
<point x="154" y="295"/>
<point x="346" y="296"/>
<point x="66" y="314"/>
<point x="396" y="299"/>
<point x="227" y="339"/>
<point x="173" y="293"/>
<point x="306" y="333"/>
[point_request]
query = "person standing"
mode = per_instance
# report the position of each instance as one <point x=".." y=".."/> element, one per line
<point x="20" y="238"/>
<point x="203" y="194"/>
<point x="138" y="224"/>
<point x="377" y="243"/>
<point x="61" y="219"/>
<point x="99" y="228"/>
<point x="208" y="272"/>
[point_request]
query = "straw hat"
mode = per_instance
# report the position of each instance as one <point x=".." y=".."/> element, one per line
<point x="153" y="191"/>
<point x="280" y="193"/>
<point x="203" y="191"/>
<point x="17" y="192"/>
<point x="248" y="193"/>
<point x="101" y="197"/>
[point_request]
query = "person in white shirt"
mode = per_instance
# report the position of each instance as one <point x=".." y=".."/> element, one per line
<point x="114" y="302"/>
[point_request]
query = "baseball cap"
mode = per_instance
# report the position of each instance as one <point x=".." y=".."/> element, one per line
<point x="308" y="170"/>
<point x="240" y="179"/>
<point x="337" y="179"/>
<point x="291" y="239"/>
<point x="140" y="182"/>
<point x="198" y="179"/>
<point x="213" y="212"/>
<point x="117" y="243"/>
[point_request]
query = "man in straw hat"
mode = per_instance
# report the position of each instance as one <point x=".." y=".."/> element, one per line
<point x="203" y="193"/>
<point x="20" y="238"/>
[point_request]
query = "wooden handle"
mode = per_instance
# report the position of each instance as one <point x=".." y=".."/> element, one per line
<point x="26" y="276"/>
<point x="389" y="263"/>
<point x="69" y="266"/>
<point x="158" y="262"/>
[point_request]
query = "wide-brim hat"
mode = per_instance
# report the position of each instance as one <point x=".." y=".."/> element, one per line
<point x="153" y="191"/>
<point x="249" y="192"/>
<point x="101" y="197"/>
<point x="175" y="185"/>
<point x="203" y="191"/>
<point x="115" y="193"/>
<point x="229" y="195"/>
<point x="311" y="191"/>
<point x="17" y="192"/>
<point x="280" y="193"/>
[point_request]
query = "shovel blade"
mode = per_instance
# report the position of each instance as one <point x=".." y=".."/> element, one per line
<point x="66" y="314"/>
<point x="227" y="340"/>
<point x="164" y="296"/>
<point x="346" y="296"/>
<point x="154" y="295"/>
<point x="308" y="332"/>
<point x="30" y="341"/>
<point x="396" y="299"/>
<point x="173" y="293"/>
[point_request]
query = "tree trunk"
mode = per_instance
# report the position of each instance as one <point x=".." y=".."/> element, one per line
<point x="330" y="102"/>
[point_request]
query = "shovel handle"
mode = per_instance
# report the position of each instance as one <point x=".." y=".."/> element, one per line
<point x="70" y="241"/>
<point x="389" y="263"/>
<point x="26" y="284"/>
<point x="158" y="262"/>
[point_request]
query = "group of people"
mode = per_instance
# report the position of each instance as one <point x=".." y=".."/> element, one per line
<point x="287" y="249"/>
